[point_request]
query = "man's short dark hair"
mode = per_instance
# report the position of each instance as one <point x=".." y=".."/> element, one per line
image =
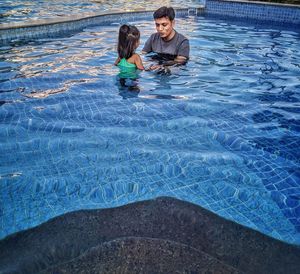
<point x="164" y="12"/>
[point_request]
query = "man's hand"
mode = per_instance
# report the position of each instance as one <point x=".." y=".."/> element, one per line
<point x="179" y="60"/>
<point x="160" y="69"/>
<point x="155" y="67"/>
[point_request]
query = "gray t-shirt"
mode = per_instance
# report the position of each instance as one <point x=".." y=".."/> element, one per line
<point x="178" y="45"/>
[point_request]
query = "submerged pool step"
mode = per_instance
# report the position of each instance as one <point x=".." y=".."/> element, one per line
<point x="144" y="255"/>
<point x="199" y="239"/>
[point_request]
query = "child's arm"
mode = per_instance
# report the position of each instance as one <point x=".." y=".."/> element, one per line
<point x="138" y="62"/>
<point x="117" y="61"/>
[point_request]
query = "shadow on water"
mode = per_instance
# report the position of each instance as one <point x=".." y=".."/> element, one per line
<point x="128" y="88"/>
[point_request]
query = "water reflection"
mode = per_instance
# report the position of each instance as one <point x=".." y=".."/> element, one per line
<point x="66" y="87"/>
<point x="20" y="10"/>
<point x="163" y="96"/>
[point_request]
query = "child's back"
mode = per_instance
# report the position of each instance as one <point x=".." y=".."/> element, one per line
<point x="127" y="68"/>
<point x="129" y="40"/>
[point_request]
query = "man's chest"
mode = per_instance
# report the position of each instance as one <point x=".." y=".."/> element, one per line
<point x="159" y="46"/>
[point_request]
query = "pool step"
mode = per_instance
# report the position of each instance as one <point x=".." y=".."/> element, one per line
<point x="142" y="255"/>
<point x="144" y="234"/>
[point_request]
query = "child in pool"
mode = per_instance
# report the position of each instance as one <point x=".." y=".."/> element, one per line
<point x="128" y="42"/>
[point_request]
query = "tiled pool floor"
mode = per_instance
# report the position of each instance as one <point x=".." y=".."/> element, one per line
<point x="221" y="132"/>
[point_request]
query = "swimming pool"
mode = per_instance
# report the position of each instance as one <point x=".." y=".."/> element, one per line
<point x="221" y="132"/>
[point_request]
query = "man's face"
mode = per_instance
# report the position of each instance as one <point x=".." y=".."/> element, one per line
<point x="164" y="27"/>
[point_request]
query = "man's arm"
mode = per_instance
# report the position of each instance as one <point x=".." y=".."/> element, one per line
<point x="179" y="60"/>
<point x="183" y="52"/>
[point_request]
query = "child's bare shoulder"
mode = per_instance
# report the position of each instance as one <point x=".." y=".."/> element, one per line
<point x="136" y="56"/>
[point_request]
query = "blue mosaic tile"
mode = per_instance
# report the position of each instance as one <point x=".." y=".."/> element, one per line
<point x="225" y="142"/>
<point x="258" y="11"/>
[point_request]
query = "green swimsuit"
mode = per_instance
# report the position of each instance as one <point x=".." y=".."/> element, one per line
<point x="127" y="70"/>
<point x="124" y="64"/>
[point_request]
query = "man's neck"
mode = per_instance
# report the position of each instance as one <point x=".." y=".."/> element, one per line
<point x="170" y="37"/>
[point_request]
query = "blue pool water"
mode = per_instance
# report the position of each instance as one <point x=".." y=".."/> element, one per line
<point x="222" y="132"/>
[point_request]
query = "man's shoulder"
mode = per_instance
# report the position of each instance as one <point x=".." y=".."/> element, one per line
<point x="155" y="36"/>
<point x="181" y="37"/>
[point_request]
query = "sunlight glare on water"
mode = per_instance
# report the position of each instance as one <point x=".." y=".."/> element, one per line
<point x="22" y="11"/>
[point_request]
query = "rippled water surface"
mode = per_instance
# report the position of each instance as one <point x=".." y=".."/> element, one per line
<point x="222" y="132"/>
<point x="21" y="10"/>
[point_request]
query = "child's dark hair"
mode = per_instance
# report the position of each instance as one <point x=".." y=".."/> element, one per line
<point x="164" y="12"/>
<point x="128" y="38"/>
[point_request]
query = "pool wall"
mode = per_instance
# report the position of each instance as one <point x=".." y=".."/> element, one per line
<point x="279" y="13"/>
<point x="288" y="15"/>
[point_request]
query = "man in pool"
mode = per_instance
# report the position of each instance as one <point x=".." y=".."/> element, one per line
<point x="170" y="46"/>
